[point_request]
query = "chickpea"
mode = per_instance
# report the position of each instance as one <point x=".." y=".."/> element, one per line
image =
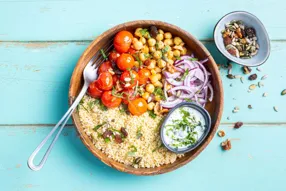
<point x="153" y="71"/>
<point x="138" y="32"/>
<point x="161" y="31"/>
<point x="159" y="37"/>
<point x="168" y="35"/>
<point x="161" y="63"/>
<point x="143" y="40"/>
<point x="142" y="57"/>
<point x="136" y="64"/>
<point x="154" y="78"/>
<point x="170" y="61"/>
<point x="146" y="95"/>
<point x="137" y="44"/>
<point x="157" y="54"/>
<point x="145" y="49"/>
<point x="151" y="106"/>
<point x="170" y="54"/>
<point x="158" y="84"/>
<point x="152" y="49"/>
<point x="168" y="42"/>
<point x="159" y="76"/>
<point x="157" y="69"/>
<point x="151" y="42"/>
<point x="151" y="65"/>
<point x="157" y="97"/>
<point x="160" y="45"/>
<point x="176" y="53"/>
<point x="184" y="51"/>
<point x="150" y="88"/>
<point x="177" y="40"/>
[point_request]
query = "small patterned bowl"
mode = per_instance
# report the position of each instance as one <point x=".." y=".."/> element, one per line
<point x="261" y="33"/>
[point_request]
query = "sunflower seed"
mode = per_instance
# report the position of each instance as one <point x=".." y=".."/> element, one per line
<point x="275" y="108"/>
<point x="237" y="76"/>
<point x="264" y="77"/>
<point x="230" y="76"/>
<point x="265" y="94"/>
<point x="258" y="69"/>
<point x="241" y="79"/>
<point x="228" y="118"/>
<point x="260" y="84"/>
<point x="252" y="87"/>
<point x="283" y="92"/>
<point x="249" y="106"/>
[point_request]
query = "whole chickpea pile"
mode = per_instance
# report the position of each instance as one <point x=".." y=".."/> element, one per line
<point x="157" y="52"/>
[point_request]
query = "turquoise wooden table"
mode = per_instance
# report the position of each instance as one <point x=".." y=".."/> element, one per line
<point x="40" y="43"/>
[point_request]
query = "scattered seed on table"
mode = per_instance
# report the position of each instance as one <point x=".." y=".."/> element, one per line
<point x="283" y="92"/>
<point x="264" y="77"/>
<point x="260" y="84"/>
<point x="249" y="106"/>
<point x="230" y="85"/>
<point x="258" y="69"/>
<point x="226" y="145"/>
<point x="228" y="118"/>
<point x="237" y="125"/>
<point x="230" y="76"/>
<point x="275" y="108"/>
<point x="265" y="94"/>
<point x="252" y="86"/>
<point x="237" y="76"/>
<point x="221" y="133"/>
<point x="241" y="79"/>
<point x="246" y="69"/>
<point x="252" y="77"/>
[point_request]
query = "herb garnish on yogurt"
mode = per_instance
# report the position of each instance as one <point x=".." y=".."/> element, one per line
<point x="184" y="127"/>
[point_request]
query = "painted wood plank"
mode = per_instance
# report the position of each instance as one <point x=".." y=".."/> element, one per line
<point x="254" y="163"/>
<point x="83" y="20"/>
<point x="34" y="77"/>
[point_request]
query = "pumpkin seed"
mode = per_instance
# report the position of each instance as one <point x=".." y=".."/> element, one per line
<point x="252" y="87"/>
<point x="264" y="77"/>
<point x="283" y="92"/>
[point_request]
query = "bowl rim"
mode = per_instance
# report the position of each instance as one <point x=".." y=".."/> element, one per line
<point x="157" y="170"/>
<point x="206" y="116"/>
<point x="229" y="57"/>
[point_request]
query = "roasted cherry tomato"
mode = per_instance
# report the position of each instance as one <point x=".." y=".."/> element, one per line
<point x="105" y="67"/>
<point x="114" y="79"/>
<point x="137" y="106"/>
<point x="94" y="91"/>
<point x="143" y="74"/>
<point x="104" y="81"/>
<point x="109" y="100"/>
<point x="131" y="51"/>
<point x="122" y="41"/>
<point x="125" y="61"/>
<point x="113" y="56"/>
<point x="129" y="79"/>
<point x="128" y="95"/>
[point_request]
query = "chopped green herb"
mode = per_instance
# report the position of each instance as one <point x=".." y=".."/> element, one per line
<point x="137" y="59"/>
<point x="116" y="94"/>
<point x="188" y="100"/>
<point x="90" y="105"/>
<point x="159" y="91"/>
<point x="132" y="151"/>
<point x="145" y="33"/>
<point x="101" y="106"/>
<point x="107" y="140"/>
<point x="152" y="114"/>
<point x="122" y="109"/>
<point x="165" y="49"/>
<point x="178" y="57"/>
<point x="139" y="133"/>
<point x="186" y="73"/>
<point x="103" y="54"/>
<point x="98" y="126"/>
<point x="193" y="59"/>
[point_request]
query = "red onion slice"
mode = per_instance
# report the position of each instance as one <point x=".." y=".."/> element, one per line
<point x="174" y="82"/>
<point x="170" y="104"/>
<point x="169" y="75"/>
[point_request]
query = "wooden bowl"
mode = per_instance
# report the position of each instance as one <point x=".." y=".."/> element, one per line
<point x="214" y="108"/>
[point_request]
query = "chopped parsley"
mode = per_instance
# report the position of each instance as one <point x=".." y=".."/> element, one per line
<point x="145" y="33"/>
<point x="139" y="133"/>
<point x="103" y="54"/>
<point x="193" y="59"/>
<point x="165" y="49"/>
<point x="159" y="91"/>
<point x="137" y="59"/>
<point x="188" y="100"/>
<point x="132" y="151"/>
<point x="186" y="73"/>
<point x="178" y="57"/>
<point x="107" y="140"/>
<point x="152" y="114"/>
<point x="98" y="126"/>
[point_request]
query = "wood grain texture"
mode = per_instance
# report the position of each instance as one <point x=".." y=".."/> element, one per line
<point x="254" y="163"/>
<point x="215" y="108"/>
<point x="27" y="20"/>
<point x="43" y="70"/>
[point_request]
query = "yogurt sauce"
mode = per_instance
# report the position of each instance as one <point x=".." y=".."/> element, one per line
<point x="183" y="128"/>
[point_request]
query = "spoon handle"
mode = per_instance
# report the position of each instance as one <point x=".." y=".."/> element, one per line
<point x="62" y="122"/>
